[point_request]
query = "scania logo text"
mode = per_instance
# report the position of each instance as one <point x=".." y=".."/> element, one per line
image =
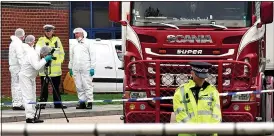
<point x="189" y="39"/>
<point x="186" y="52"/>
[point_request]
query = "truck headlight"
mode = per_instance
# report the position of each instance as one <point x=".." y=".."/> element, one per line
<point x="240" y="97"/>
<point x="167" y="79"/>
<point x="138" y="95"/>
<point x="150" y="70"/>
<point x="227" y="71"/>
<point x="226" y="83"/>
<point x="181" y="79"/>
<point x="211" y="79"/>
<point x="152" y="82"/>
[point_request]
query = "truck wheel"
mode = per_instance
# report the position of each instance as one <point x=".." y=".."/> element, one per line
<point x="263" y="102"/>
<point x="263" y="107"/>
<point x="124" y="118"/>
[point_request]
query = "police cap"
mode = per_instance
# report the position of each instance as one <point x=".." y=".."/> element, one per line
<point x="48" y="27"/>
<point x="201" y="68"/>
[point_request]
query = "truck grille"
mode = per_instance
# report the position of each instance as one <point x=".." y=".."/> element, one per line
<point x="165" y="76"/>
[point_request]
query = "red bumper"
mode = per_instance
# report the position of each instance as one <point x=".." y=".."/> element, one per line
<point x="237" y="117"/>
<point x="147" y="117"/>
<point x="150" y="117"/>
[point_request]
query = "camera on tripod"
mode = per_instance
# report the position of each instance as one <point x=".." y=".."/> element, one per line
<point x="54" y="58"/>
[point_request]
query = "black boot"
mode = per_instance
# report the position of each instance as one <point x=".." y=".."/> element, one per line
<point x="34" y="120"/>
<point x="81" y="105"/>
<point x="18" y="108"/>
<point x="89" y="105"/>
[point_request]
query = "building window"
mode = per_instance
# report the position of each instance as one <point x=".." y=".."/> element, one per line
<point x="80" y="13"/>
<point x="103" y="35"/>
<point x="100" y="14"/>
<point x="93" y="17"/>
<point x="117" y="35"/>
<point x="116" y="24"/>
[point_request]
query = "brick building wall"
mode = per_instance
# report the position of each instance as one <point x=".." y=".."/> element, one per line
<point x="32" y="17"/>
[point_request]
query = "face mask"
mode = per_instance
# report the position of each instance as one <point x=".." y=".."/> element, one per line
<point x="79" y="38"/>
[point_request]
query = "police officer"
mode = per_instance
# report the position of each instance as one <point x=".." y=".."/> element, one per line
<point x="52" y="41"/>
<point x="197" y="101"/>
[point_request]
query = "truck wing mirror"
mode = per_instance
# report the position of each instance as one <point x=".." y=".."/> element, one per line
<point x="114" y="11"/>
<point x="266" y="12"/>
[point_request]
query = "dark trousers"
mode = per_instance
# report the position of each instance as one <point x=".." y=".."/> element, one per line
<point x="44" y="94"/>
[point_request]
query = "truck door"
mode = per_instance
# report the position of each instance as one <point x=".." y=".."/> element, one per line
<point x="105" y="76"/>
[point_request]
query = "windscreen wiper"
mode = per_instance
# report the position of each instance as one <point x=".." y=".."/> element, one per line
<point x="166" y="24"/>
<point x="212" y="24"/>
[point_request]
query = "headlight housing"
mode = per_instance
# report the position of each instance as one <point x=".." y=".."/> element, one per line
<point x="167" y="79"/>
<point x="227" y="71"/>
<point x="150" y="70"/>
<point x="181" y="79"/>
<point x="152" y="82"/>
<point x="211" y="79"/>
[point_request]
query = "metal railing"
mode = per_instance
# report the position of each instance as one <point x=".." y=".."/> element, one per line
<point x="142" y="129"/>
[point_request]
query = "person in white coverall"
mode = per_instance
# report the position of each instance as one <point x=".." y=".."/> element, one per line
<point x="33" y="62"/>
<point x="81" y="65"/>
<point x="15" y="62"/>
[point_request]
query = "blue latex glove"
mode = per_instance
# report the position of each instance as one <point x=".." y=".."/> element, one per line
<point x="91" y="72"/>
<point x="48" y="58"/>
<point x="70" y="72"/>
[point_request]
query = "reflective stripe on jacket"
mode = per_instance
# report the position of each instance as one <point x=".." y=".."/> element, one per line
<point x="187" y="110"/>
<point x="59" y="53"/>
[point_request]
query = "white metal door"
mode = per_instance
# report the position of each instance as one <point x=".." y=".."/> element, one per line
<point x="105" y="74"/>
<point x="269" y="46"/>
<point x="117" y="47"/>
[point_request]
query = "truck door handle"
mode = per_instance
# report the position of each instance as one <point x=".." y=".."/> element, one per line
<point x="108" y="67"/>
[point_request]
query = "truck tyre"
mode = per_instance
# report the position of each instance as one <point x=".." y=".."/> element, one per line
<point x="263" y="102"/>
<point x="124" y="118"/>
<point x="263" y="107"/>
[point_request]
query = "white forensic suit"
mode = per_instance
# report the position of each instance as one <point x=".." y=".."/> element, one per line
<point x="25" y="47"/>
<point x="82" y="59"/>
<point x="30" y="68"/>
<point x="15" y="61"/>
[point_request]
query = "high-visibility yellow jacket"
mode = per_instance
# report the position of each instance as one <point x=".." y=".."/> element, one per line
<point x="53" y="42"/>
<point x="206" y="110"/>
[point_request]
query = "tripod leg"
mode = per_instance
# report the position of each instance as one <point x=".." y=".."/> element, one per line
<point x="44" y="90"/>
<point x="59" y="99"/>
<point x="39" y="111"/>
<point x="38" y="106"/>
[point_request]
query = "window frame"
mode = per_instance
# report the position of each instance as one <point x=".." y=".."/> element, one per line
<point x="91" y="30"/>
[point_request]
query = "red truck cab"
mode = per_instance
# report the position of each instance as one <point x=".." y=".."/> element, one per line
<point x="160" y="38"/>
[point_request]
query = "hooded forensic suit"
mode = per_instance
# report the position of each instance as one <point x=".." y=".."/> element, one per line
<point x="82" y="60"/>
<point x="15" y="61"/>
<point x="30" y="68"/>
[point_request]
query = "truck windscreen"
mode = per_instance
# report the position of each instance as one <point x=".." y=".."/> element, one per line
<point x="186" y="13"/>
